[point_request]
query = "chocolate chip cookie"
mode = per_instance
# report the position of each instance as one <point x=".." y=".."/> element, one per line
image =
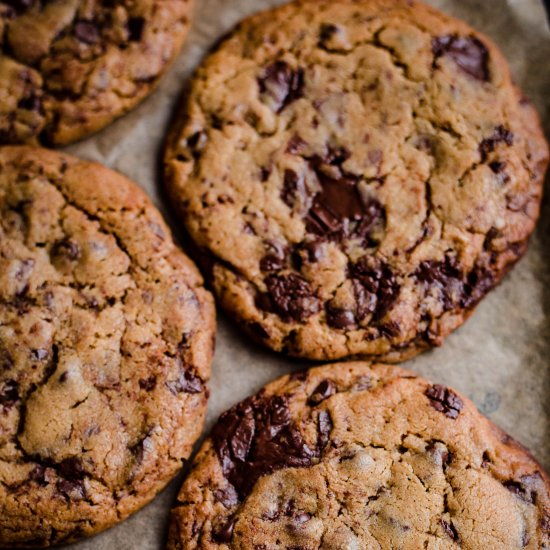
<point x="106" y="338"/>
<point x="69" y="67"/>
<point x="357" y="456"/>
<point x="356" y="175"/>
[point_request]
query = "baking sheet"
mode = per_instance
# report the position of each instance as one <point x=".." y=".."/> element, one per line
<point x="500" y="358"/>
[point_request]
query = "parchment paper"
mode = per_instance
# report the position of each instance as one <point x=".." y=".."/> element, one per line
<point x="500" y="358"/>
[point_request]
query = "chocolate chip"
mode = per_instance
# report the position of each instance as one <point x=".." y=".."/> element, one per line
<point x="526" y="487"/>
<point x="324" y="427"/>
<point x="339" y="318"/>
<point x="326" y="32"/>
<point x="449" y="529"/>
<point x="296" y="145"/>
<point x="275" y="260"/>
<point x="38" y="475"/>
<point x="224" y="532"/>
<point x="264" y="173"/>
<point x="445" y="276"/>
<point x="135" y="28"/>
<point x="72" y="490"/>
<point x="186" y="382"/>
<point x="259" y="330"/>
<point x="468" y="52"/>
<point x="258" y="437"/>
<point x="228" y="496"/>
<point x="500" y="135"/>
<point x="293" y="188"/>
<point x="86" y="32"/>
<point x="323" y="391"/>
<point x="478" y="283"/>
<point x="339" y="210"/>
<point x="444" y="400"/>
<point x="72" y="468"/>
<point x="20" y="5"/>
<point x="380" y="288"/>
<point x="67" y="248"/>
<point x="6" y="360"/>
<point x="281" y="84"/>
<point x="291" y="297"/>
<point x="148" y="384"/>
<point x="9" y="394"/>
<point x="31" y="103"/>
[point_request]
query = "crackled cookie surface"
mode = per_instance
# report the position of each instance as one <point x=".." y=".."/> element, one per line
<point x="69" y="67"/>
<point x="356" y="175"/>
<point x="106" y="337"/>
<point x="360" y="457"/>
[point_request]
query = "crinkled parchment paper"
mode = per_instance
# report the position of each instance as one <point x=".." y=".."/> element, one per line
<point x="500" y="358"/>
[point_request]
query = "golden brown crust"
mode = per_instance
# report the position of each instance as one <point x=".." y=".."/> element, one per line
<point x="68" y="68"/>
<point x="404" y="463"/>
<point x="106" y="340"/>
<point x="356" y="175"/>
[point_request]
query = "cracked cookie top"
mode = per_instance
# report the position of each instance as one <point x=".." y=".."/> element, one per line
<point x="356" y="175"/>
<point x="69" y="67"/>
<point x="106" y="338"/>
<point x="358" y="456"/>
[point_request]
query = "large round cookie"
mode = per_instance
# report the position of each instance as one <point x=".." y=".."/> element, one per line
<point x="106" y="338"/>
<point x="360" y="457"/>
<point x="356" y="174"/>
<point x="69" y="67"/>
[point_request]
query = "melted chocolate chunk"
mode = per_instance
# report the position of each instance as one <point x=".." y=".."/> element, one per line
<point x="275" y="260"/>
<point x="339" y="210"/>
<point x="86" y="32"/>
<point x="31" y="103"/>
<point x="148" y="384"/>
<point x="67" y="248"/>
<point x="450" y="529"/>
<point x="526" y="488"/>
<point x="293" y="188"/>
<point x="478" y="283"/>
<point x="282" y="84"/>
<point x="291" y="297"/>
<point x="72" y="490"/>
<point x="38" y="475"/>
<point x="259" y="330"/>
<point x="228" y="496"/>
<point x="20" y="5"/>
<point x="375" y="287"/>
<point x="468" y="52"/>
<point x="326" y="32"/>
<point x="72" y="468"/>
<point x="499" y="135"/>
<point x="339" y="318"/>
<point x="323" y="391"/>
<point x="9" y="394"/>
<point x="186" y="382"/>
<point x="296" y="145"/>
<point x="258" y="437"/>
<point x="135" y="28"/>
<point x="446" y="276"/>
<point x="444" y="400"/>
<point x="324" y="427"/>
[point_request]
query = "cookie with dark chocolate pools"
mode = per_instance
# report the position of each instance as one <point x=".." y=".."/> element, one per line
<point x="106" y="340"/>
<point x="328" y="461"/>
<point x="361" y="173"/>
<point x="68" y="68"/>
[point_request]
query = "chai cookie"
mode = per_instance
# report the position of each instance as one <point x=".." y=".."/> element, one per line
<point x="356" y="175"/>
<point x="106" y="339"/>
<point x="70" y="67"/>
<point x="357" y="456"/>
